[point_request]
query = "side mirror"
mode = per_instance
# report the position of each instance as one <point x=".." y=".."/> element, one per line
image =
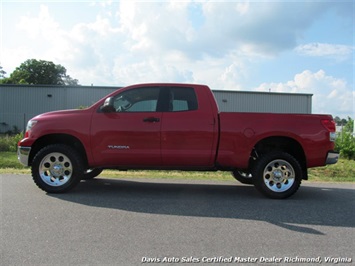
<point x="108" y="107"/>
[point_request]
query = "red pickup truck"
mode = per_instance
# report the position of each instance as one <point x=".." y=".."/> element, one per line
<point x="176" y="127"/>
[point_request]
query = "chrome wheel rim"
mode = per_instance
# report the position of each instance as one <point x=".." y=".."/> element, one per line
<point x="55" y="169"/>
<point x="279" y="175"/>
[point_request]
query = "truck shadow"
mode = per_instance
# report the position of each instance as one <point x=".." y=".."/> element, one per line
<point x="310" y="206"/>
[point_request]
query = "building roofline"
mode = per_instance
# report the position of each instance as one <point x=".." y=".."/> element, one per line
<point x="118" y="87"/>
<point x="263" y="92"/>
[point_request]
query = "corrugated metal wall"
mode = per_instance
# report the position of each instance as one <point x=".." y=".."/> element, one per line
<point x="263" y="102"/>
<point x="19" y="103"/>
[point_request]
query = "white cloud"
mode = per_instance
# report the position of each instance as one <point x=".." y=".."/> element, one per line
<point x="263" y="28"/>
<point x="154" y="27"/>
<point x="151" y="71"/>
<point x="42" y="26"/>
<point x="87" y="50"/>
<point x="330" y="95"/>
<point x="142" y="32"/>
<point x="336" y="51"/>
<point x="102" y="3"/>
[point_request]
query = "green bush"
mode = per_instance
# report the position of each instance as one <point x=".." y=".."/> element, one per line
<point x="345" y="143"/>
<point x="9" y="143"/>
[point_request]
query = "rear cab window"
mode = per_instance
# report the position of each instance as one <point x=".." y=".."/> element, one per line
<point x="182" y="99"/>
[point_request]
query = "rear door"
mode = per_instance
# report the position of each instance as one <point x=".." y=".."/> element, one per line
<point x="188" y="130"/>
<point x="130" y="136"/>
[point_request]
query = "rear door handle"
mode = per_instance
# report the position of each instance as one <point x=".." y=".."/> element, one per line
<point x="151" y="119"/>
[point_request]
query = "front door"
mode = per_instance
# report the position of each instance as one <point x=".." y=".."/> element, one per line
<point x="130" y="136"/>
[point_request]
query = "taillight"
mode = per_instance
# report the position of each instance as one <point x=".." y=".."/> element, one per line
<point x="329" y="124"/>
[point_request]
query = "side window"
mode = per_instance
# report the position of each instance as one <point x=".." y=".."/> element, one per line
<point x="182" y="99"/>
<point x="137" y="100"/>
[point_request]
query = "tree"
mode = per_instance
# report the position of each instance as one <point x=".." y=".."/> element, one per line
<point x="349" y="127"/>
<point x="337" y="120"/>
<point x="2" y="72"/>
<point x="341" y="121"/>
<point x="40" y="72"/>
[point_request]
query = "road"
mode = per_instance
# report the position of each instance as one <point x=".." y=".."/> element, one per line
<point x="131" y="221"/>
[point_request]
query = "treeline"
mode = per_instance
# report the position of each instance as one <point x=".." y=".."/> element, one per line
<point x="343" y="122"/>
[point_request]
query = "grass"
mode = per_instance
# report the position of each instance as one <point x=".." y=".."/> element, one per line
<point x="343" y="171"/>
<point x="221" y="176"/>
<point x="8" y="160"/>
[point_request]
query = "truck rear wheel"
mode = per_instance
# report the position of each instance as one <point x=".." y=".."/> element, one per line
<point x="57" y="168"/>
<point x="277" y="175"/>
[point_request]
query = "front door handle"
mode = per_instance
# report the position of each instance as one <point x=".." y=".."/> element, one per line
<point x="151" y="119"/>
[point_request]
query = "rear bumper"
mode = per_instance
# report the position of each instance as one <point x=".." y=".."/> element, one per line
<point x="332" y="157"/>
<point x="23" y="154"/>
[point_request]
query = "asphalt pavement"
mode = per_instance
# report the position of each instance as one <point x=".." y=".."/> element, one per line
<point x="172" y="222"/>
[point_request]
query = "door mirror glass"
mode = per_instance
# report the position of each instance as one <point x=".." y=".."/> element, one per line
<point x="108" y="106"/>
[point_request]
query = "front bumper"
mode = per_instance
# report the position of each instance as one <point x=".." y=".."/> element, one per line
<point x="332" y="157"/>
<point x="23" y="153"/>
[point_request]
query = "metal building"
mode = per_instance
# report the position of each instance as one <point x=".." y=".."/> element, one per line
<point x="263" y="102"/>
<point x="19" y="103"/>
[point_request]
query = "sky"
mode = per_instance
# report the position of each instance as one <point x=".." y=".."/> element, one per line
<point x="270" y="46"/>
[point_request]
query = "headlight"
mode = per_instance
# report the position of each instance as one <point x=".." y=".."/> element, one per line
<point x="31" y="124"/>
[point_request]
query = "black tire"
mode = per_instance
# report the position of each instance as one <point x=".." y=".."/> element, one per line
<point x="91" y="173"/>
<point x="57" y="168"/>
<point x="243" y="177"/>
<point x="277" y="175"/>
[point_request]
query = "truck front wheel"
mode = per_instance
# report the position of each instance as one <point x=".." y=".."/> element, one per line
<point x="91" y="173"/>
<point x="277" y="175"/>
<point x="57" y="168"/>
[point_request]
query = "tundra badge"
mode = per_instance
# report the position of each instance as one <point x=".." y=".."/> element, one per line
<point x="118" y="147"/>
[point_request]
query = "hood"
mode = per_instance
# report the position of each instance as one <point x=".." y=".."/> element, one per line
<point x="60" y="113"/>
